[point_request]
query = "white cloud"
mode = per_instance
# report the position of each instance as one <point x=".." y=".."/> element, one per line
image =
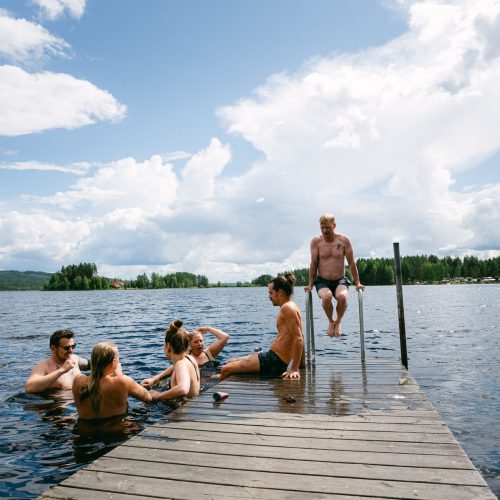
<point x="412" y="112"/>
<point x="39" y="237"/>
<point x="201" y="170"/>
<point x="175" y="155"/>
<point x="53" y="9"/>
<point x="150" y="185"/>
<point x="35" y="102"/>
<point x="22" y="40"/>
<point x="483" y="215"/>
<point x="79" y="168"/>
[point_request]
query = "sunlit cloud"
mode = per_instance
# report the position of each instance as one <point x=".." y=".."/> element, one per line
<point x="22" y="40"/>
<point x="32" y="103"/>
<point x="52" y="9"/>
<point x="175" y="155"/>
<point x="80" y="168"/>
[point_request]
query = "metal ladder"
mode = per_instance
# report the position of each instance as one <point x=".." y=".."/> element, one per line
<point x="310" y="345"/>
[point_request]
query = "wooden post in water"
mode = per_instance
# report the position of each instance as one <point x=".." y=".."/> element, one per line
<point x="401" y="310"/>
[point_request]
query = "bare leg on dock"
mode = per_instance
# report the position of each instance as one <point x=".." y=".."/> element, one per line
<point x="243" y="364"/>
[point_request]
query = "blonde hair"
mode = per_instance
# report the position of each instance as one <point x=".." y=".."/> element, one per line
<point x="193" y="333"/>
<point x="103" y="354"/>
<point x="327" y="218"/>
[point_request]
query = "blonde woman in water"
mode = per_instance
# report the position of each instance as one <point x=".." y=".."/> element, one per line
<point x="104" y="393"/>
<point x="185" y="381"/>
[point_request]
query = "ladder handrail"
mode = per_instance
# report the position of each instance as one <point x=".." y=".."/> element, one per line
<point x="310" y="343"/>
<point x="361" y="325"/>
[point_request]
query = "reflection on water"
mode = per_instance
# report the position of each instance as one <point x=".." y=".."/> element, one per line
<point x="336" y="402"/>
<point x="453" y="338"/>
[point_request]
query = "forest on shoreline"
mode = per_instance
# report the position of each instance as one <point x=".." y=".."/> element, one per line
<point x="420" y="269"/>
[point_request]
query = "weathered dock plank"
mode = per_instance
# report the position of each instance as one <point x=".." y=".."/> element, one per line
<point x="353" y="432"/>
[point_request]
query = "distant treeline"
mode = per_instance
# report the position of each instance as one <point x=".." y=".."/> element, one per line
<point x="84" y="276"/>
<point x="427" y="269"/>
<point x="23" y="280"/>
<point x="374" y="271"/>
<point x="81" y="276"/>
<point x="414" y="269"/>
<point x="173" y="280"/>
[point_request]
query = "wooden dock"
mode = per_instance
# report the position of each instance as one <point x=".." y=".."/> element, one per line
<point x="353" y="432"/>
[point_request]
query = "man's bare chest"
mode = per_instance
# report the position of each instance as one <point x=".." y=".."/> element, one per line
<point x="331" y="250"/>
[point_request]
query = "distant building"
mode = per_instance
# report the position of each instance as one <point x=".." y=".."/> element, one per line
<point x="117" y="284"/>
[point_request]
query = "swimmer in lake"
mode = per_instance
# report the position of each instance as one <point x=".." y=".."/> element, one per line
<point x="204" y="356"/>
<point x="185" y="380"/>
<point x="60" y="370"/>
<point x="104" y="393"/>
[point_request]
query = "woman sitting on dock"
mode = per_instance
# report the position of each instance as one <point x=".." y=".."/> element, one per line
<point x="104" y="392"/>
<point x="185" y="381"/>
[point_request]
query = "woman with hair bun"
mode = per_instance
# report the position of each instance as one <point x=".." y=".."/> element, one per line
<point x="104" y="392"/>
<point x="185" y="380"/>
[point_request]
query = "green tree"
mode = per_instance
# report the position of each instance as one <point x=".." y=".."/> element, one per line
<point x="142" y="281"/>
<point x="262" y="280"/>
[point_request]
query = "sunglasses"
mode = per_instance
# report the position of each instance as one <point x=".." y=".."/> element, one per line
<point x="67" y="347"/>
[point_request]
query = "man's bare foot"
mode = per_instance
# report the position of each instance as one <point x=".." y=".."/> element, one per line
<point x="337" y="331"/>
<point x="331" y="329"/>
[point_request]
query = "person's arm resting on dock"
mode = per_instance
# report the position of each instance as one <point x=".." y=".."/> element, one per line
<point x="293" y="326"/>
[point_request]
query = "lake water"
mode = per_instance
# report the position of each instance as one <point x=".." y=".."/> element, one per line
<point x="452" y="335"/>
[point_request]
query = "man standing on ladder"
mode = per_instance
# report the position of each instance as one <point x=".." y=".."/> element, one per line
<point x="329" y="251"/>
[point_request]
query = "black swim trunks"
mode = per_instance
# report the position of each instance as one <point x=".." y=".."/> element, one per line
<point x="332" y="285"/>
<point x="271" y="364"/>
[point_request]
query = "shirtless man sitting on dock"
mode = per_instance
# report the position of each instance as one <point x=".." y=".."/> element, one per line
<point x="288" y="346"/>
<point x="329" y="251"/>
<point x="58" y="371"/>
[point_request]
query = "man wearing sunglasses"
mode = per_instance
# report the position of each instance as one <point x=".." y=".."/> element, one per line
<point x="58" y="371"/>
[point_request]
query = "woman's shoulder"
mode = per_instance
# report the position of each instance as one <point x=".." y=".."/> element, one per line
<point x="209" y="354"/>
<point x="121" y="379"/>
<point x="80" y="379"/>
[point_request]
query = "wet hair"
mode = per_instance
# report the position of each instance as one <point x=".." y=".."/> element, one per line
<point x="284" y="282"/>
<point x="60" y="334"/>
<point x="103" y="354"/>
<point x="177" y="337"/>
<point x="326" y="219"/>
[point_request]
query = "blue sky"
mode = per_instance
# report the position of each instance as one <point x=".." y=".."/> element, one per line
<point x="208" y="136"/>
